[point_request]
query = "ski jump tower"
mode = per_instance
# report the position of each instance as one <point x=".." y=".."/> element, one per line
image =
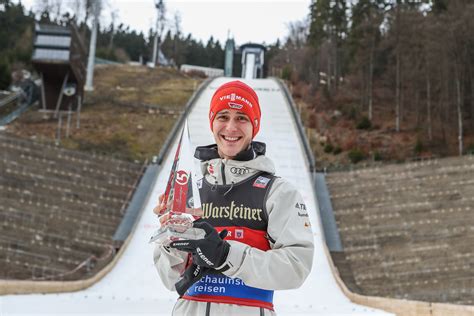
<point x="252" y="60"/>
<point x="60" y="58"/>
<point x="229" y="57"/>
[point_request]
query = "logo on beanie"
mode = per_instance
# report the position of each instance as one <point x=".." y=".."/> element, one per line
<point x="235" y="97"/>
<point x="235" y="105"/>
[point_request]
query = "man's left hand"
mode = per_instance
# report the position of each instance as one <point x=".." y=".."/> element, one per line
<point x="211" y="251"/>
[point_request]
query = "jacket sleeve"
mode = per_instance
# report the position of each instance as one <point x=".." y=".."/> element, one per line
<point x="287" y="264"/>
<point x="170" y="264"/>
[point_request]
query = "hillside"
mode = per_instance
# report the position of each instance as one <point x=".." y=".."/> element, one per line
<point x="341" y="136"/>
<point x="128" y="115"/>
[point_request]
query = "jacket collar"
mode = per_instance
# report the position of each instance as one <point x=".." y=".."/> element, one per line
<point x="209" y="152"/>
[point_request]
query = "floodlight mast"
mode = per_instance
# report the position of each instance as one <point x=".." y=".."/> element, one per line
<point x="96" y="6"/>
<point x="160" y="16"/>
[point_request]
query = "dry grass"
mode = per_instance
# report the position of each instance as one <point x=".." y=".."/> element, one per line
<point x="129" y="114"/>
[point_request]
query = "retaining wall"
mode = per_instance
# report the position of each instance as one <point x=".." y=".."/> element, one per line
<point x="398" y="306"/>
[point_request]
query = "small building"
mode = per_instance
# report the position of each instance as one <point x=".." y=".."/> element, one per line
<point x="59" y="57"/>
<point x="252" y="60"/>
<point x="208" y="71"/>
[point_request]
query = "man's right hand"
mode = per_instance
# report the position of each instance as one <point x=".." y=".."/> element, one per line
<point x="190" y="276"/>
<point x="161" y="207"/>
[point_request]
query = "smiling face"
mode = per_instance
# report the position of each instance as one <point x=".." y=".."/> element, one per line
<point x="232" y="132"/>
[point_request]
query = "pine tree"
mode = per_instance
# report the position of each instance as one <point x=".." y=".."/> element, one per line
<point x="328" y="28"/>
<point x="15" y="39"/>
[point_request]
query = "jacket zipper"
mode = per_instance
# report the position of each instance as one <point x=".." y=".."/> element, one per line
<point x="223" y="173"/>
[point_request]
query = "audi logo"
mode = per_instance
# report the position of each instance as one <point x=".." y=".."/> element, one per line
<point x="240" y="171"/>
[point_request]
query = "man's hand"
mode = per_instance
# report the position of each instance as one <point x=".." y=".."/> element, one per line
<point x="209" y="252"/>
<point x="190" y="276"/>
<point x="161" y="207"/>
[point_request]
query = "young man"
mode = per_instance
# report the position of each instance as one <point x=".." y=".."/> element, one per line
<point x="257" y="240"/>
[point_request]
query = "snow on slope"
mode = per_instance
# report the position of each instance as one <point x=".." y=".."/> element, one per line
<point x="133" y="286"/>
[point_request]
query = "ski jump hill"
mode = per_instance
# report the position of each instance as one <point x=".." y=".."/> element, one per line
<point x="133" y="287"/>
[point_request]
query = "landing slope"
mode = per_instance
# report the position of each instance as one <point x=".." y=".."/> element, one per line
<point x="133" y="286"/>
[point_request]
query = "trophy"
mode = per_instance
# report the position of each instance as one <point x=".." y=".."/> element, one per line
<point x="181" y="197"/>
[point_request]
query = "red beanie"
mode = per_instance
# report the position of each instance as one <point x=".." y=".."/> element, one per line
<point x="236" y="95"/>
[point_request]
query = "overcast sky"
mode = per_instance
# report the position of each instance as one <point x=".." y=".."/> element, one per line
<point x="247" y="21"/>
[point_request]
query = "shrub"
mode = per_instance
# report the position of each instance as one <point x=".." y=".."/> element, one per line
<point x="418" y="147"/>
<point x="5" y="76"/>
<point x="364" y="123"/>
<point x="470" y="149"/>
<point x="328" y="148"/>
<point x="378" y="156"/>
<point x="105" y="53"/>
<point x="356" y="155"/>
<point x="326" y="93"/>
<point x="337" y="150"/>
<point x="286" y="72"/>
<point x="352" y="113"/>
<point x="312" y="120"/>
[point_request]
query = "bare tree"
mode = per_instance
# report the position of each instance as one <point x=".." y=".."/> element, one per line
<point x="427" y="46"/>
<point x="177" y="47"/>
<point x="88" y="11"/>
<point x="113" y="21"/>
<point x="460" y="116"/>
<point x="428" y="100"/>
<point x="57" y="7"/>
<point x="398" y="69"/>
<point x="298" y="33"/>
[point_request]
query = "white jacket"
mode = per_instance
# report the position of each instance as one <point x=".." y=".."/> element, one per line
<point x="285" y="266"/>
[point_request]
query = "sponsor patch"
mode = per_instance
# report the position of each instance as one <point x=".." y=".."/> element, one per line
<point x="240" y="171"/>
<point x="190" y="202"/>
<point x="197" y="270"/>
<point x="181" y="244"/>
<point x="261" y="182"/>
<point x="210" y="169"/>
<point x="221" y="287"/>
<point x="300" y="206"/>
<point x="232" y="211"/>
<point x="236" y="97"/>
<point x="203" y="257"/>
<point x="239" y="234"/>
<point x="182" y="177"/>
<point x="235" y="106"/>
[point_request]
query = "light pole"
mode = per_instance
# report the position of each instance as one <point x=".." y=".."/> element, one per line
<point x="160" y="8"/>
<point x="90" y="62"/>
